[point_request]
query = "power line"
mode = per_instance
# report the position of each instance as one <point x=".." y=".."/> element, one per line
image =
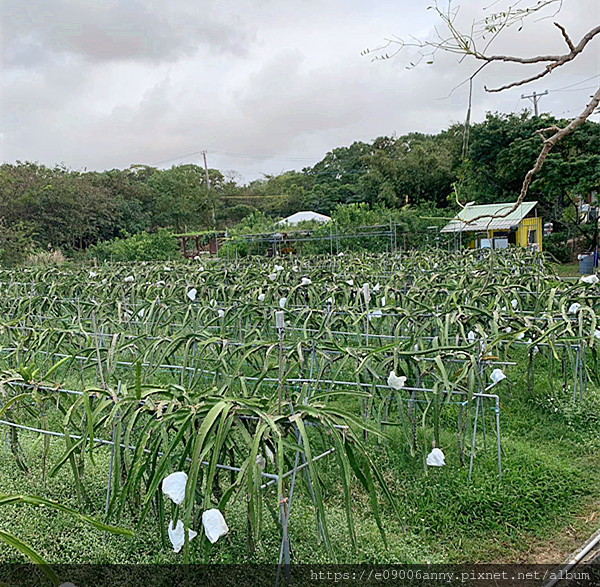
<point x="577" y="83"/>
<point x="179" y="157"/>
<point x="576" y="89"/>
<point x="515" y="107"/>
<point x="256" y="156"/>
<point x="569" y="111"/>
<point x="241" y="155"/>
<point x="255" y="196"/>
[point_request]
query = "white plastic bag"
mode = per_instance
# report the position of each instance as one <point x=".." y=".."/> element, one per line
<point x="177" y="535"/>
<point x="261" y="462"/>
<point x="173" y="486"/>
<point x="192" y="294"/>
<point x="214" y="525"/>
<point x="436" y="458"/>
<point x="396" y="382"/>
<point x="269" y="454"/>
<point x="497" y="375"/>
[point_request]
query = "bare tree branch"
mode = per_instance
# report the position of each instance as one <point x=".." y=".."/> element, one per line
<point x="465" y="44"/>
<point x="565" y="36"/>
<point x="556" y="60"/>
<point x="488" y="29"/>
<point x="549" y="144"/>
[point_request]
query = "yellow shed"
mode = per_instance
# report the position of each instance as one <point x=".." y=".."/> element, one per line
<point x="496" y="226"/>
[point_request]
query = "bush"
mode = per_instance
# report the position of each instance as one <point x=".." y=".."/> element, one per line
<point x="240" y="211"/>
<point x="556" y="244"/>
<point x="256" y="222"/>
<point x="144" y="246"/>
<point x="41" y="258"/>
<point x="16" y="242"/>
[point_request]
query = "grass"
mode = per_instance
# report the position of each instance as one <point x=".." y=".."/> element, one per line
<point x="567" y="269"/>
<point x="551" y="477"/>
<point x="551" y="474"/>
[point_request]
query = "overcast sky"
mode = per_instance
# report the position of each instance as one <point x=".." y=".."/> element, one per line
<point x="262" y="85"/>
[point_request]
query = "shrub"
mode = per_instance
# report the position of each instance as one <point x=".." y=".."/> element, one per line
<point x="40" y="258"/>
<point x="16" y="242"/>
<point x="556" y="244"/>
<point x="144" y="246"/>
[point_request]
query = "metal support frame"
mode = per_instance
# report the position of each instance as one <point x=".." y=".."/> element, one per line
<point x="271" y="479"/>
<point x="479" y="406"/>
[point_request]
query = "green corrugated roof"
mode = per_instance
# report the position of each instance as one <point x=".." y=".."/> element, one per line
<point x="493" y="217"/>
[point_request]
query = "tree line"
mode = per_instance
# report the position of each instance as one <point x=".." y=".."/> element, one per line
<point x="57" y="208"/>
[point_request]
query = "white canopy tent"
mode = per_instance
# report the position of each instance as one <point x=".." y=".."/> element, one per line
<point x="304" y="216"/>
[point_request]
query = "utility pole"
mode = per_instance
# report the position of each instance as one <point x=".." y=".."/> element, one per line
<point x="208" y="189"/>
<point x="535" y="97"/>
<point x="206" y="171"/>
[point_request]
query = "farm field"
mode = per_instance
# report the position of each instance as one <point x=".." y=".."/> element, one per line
<point x="304" y="398"/>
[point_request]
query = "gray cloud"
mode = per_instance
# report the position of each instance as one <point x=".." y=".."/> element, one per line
<point x="106" y="84"/>
<point x="113" y="30"/>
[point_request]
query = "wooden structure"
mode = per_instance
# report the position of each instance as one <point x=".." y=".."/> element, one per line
<point x="496" y="229"/>
<point x="193" y="245"/>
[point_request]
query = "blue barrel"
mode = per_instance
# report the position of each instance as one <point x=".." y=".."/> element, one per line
<point x="586" y="265"/>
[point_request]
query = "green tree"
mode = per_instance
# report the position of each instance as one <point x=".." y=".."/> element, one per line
<point x="181" y="199"/>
